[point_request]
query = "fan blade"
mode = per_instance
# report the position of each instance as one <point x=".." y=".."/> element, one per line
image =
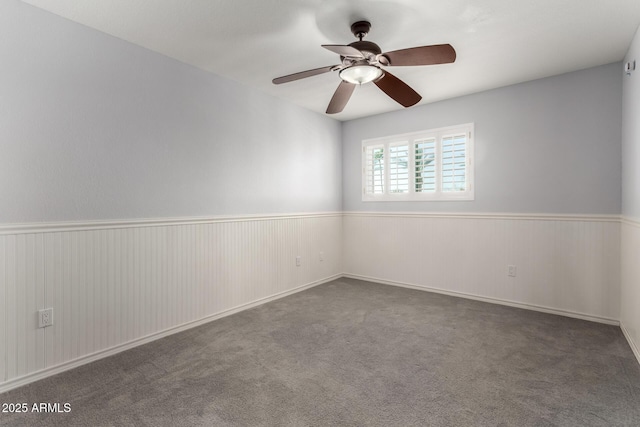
<point x="398" y="90"/>
<point x="340" y="97"/>
<point x="303" y="74"/>
<point x="349" y="51"/>
<point x="423" y="55"/>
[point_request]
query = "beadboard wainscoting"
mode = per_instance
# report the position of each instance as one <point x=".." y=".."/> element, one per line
<point x="115" y="285"/>
<point x="568" y="265"/>
<point x="630" y="283"/>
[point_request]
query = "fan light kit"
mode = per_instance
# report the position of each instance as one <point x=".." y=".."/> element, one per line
<point x="360" y="64"/>
<point x="360" y="74"/>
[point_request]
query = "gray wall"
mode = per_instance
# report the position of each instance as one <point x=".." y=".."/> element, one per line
<point x="92" y="127"/>
<point x="545" y="146"/>
<point x="631" y="134"/>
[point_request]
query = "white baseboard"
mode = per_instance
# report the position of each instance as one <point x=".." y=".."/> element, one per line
<point x="632" y="344"/>
<point x="499" y="301"/>
<point x="53" y="370"/>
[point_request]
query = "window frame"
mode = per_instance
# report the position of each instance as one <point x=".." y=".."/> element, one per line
<point x="411" y="139"/>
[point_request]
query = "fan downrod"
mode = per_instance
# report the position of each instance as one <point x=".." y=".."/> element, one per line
<point x="360" y="29"/>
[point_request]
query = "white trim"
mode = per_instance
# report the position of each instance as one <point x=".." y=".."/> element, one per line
<point x="533" y="307"/>
<point x="53" y="370"/>
<point x="419" y="134"/>
<point x="627" y="220"/>
<point x="634" y="347"/>
<point x="50" y="227"/>
<point x="499" y="215"/>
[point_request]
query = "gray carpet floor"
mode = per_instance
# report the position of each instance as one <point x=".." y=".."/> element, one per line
<point x="352" y="353"/>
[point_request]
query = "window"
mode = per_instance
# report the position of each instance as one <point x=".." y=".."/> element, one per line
<point x="429" y="165"/>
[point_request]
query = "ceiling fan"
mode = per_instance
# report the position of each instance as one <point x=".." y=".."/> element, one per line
<point x="361" y="61"/>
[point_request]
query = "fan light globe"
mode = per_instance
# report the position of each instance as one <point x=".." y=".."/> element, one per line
<point x="360" y="74"/>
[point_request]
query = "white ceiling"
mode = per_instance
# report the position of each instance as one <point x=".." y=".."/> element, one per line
<point x="498" y="42"/>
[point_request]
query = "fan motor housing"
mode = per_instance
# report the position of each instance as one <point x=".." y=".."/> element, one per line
<point x="368" y="48"/>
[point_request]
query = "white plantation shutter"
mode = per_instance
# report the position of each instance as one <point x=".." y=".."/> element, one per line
<point x="374" y="169"/>
<point x="425" y="165"/>
<point x="435" y="164"/>
<point x="399" y="167"/>
<point x="454" y="163"/>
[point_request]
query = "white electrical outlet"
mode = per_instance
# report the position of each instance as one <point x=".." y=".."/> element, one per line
<point x="298" y="261"/>
<point x="45" y="317"/>
<point x="321" y="256"/>
<point x="511" y="270"/>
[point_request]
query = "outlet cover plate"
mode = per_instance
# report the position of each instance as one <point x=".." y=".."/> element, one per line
<point x="45" y="317"/>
